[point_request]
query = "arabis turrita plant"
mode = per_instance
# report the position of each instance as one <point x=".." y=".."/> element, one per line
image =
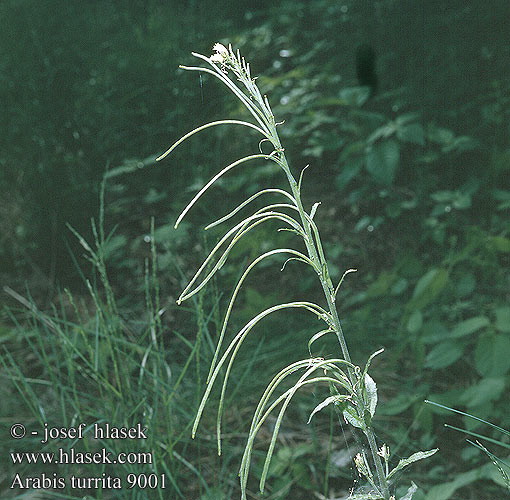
<point x="352" y="391"/>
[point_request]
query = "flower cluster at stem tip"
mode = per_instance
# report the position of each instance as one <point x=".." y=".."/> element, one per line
<point x="221" y="53"/>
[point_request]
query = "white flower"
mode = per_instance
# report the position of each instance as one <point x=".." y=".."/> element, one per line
<point x="218" y="58"/>
<point x="220" y="49"/>
<point x="221" y="53"/>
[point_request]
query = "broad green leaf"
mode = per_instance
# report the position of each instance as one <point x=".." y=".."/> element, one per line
<point x="446" y="490"/>
<point x="440" y="135"/>
<point x="466" y="285"/>
<point x="412" y="133"/>
<point x="382" y="284"/>
<point x="404" y="400"/>
<point x="406" y="118"/>
<point x="433" y="332"/>
<point x="462" y="201"/>
<point x="462" y="143"/>
<point x="488" y="389"/>
<point x="443" y="196"/>
<point x="492" y="354"/>
<point x="415" y="321"/>
<point x="428" y="287"/>
<point x="114" y="246"/>
<point x="502" y="319"/>
<point x="354" y="96"/>
<point x="382" y="161"/>
<point x="397" y="405"/>
<point x="499" y="243"/>
<point x="352" y="417"/>
<point x="469" y="326"/>
<point x="349" y="170"/>
<point x="419" y="455"/>
<point x="399" y="287"/>
<point x="443" y="355"/>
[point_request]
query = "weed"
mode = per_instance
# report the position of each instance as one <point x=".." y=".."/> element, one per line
<point x="352" y="390"/>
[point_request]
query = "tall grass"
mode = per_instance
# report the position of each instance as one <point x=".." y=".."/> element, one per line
<point x="87" y="360"/>
<point x="352" y="391"/>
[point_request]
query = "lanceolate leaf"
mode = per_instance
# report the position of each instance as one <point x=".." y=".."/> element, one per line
<point x="331" y="399"/>
<point x="420" y="455"/>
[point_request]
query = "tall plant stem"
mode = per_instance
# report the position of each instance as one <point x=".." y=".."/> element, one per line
<point x="260" y="109"/>
<point x="330" y="298"/>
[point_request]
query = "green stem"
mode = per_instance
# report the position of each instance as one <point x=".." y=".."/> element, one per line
<point x="330" y="298"/>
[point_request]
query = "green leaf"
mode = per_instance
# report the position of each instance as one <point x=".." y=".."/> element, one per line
<point x="462" y="201"/>
<point x="397" y="405"/>
<point x="419" y="455"/>
<point x="469" y="326"/>
<point x="462" y="143"/>
<point x="412" y="133"/>
<point x="466" y="285"/>
<point x="339" y="398"/>
<point x="492" y="354"/>
<point x="410" y="492"/>
<point x="488" y="389"/>
<point x="399" y="287"/>
<point x="428" y="287"/>
<point x="354" y="96"/>
<point x="350" y="170"/>
<point x="371" y="393"/>
<point x="446" y="490"/>
<point x="382" y="161"/>
<point x="502" y="319"/>
<point x="382" y="284"/>
<point x="415" y="322"/>
<point x="440" y="135"/>
<point x="443" y="196"/>
<point x="499" y="243"/>
<point x="443" y="355"/>
<point x="352" y="417"/>
<point x="114" y="246"/>
<point x="434" y="332"/>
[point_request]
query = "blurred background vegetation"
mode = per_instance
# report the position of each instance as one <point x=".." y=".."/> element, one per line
<point x="413" y="177"/>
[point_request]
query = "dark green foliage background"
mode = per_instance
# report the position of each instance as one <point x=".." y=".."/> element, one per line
<point x="414" y="185"/>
